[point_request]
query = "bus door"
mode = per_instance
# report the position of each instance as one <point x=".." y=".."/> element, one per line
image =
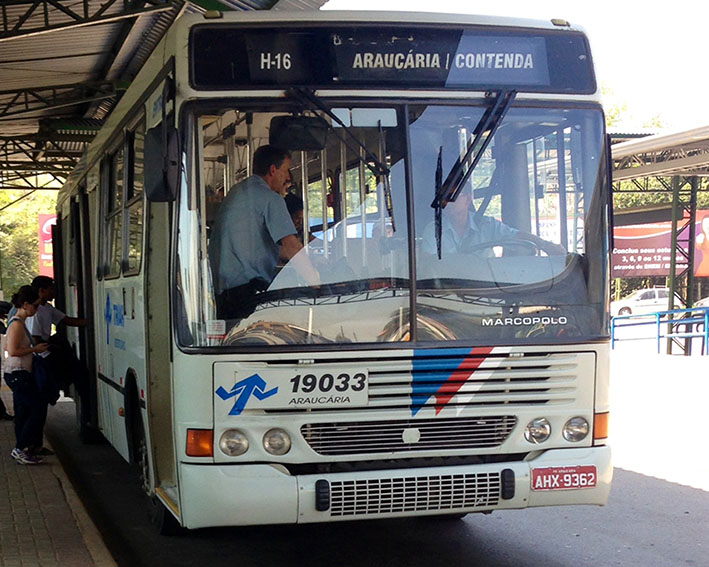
<point x="79" y="278"/>
<point x="156" y="283"/>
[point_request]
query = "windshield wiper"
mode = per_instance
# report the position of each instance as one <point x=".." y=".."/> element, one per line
<point x="370" y="160"/>
<point x="464" y="166"/>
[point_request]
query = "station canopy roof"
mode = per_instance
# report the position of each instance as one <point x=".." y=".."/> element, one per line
<point x="64" y="65"/>
<point x="684" y="153"/>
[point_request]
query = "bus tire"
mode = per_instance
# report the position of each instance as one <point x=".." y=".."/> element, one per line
<point x="141" y="461"/>
<point x="164" y="523"/>
<point x="160" y="517"/>
<point x="133" y="420"/>
<point x="135" y="435"/>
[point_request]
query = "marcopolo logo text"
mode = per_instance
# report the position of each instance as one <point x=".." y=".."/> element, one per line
<point x="522" y="321"/>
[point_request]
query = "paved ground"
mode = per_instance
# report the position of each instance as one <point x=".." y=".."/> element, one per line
<point x="42" y="521"/>
<point x="659" y="408"/>
<point x="659" y="404"/>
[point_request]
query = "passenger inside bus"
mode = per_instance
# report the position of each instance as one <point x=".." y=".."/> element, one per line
<point x="295" y="210"/>
<point x="251" y="232"/>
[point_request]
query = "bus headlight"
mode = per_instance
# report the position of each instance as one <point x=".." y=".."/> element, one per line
<point x="575" y="429"/>
<point x="233" y="443"/>
<point x="537" y="431"/>
<point x="276" y="441"/>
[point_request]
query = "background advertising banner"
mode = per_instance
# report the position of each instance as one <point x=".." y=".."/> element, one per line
<point x="701" y="252"/>
<point x="645" y="249"/>
<point x="46" y="257"/>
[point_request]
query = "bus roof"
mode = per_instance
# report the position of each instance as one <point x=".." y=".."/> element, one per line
<point x="354" y="16"/>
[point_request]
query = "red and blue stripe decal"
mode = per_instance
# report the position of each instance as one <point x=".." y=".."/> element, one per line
<point x="432" y="376"/>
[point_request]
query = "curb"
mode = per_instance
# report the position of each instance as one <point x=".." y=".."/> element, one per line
<point x="92" y="537"/>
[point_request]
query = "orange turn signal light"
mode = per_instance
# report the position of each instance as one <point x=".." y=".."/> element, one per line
<point x="600" y="426"/>
<point x="200" y="442"/>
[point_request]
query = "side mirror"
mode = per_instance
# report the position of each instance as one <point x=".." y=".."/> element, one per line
<point x="162" y="163"/>
<point x="298" y="133"/>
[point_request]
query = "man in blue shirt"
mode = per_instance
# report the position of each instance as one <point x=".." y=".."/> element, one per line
<point x="251" y="231"/>
<point x="462" y="231"/>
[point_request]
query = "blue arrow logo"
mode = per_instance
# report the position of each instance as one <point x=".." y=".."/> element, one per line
<point x="254" y="384"/>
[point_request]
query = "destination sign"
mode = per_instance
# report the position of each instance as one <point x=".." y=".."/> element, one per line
<point x="227" y="57"/>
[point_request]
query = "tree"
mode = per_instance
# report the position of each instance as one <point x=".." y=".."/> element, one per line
<point x="616" y="110"/>
<point x="19" y="235"/>
<point x="655" y="194"/>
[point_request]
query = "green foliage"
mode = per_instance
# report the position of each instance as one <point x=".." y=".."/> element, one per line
<point x="655" y="123"/>
<point x="622" y="287"/>
<point x="19" y="236"/>
<point x="654" y="194"/>
<point x="616" y="110"/>
<point x="615" y="113"/>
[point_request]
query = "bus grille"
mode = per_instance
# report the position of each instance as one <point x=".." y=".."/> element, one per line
<point x="475" y="380"/>
<point x="414" y="494"/>
<point x="448" y="382"/>
<point x="353" y="438"/>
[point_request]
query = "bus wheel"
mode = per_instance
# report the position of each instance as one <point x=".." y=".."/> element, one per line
<point x="165" y="523"/>
<point x="142" y="463"/>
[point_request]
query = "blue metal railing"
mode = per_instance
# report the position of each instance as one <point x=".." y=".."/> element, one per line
<point x="695" y="322"/>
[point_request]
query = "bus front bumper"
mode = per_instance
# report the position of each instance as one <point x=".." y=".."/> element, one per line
<point x="229" y="495"/>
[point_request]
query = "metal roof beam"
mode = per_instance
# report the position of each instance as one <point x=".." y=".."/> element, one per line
<point x="34" y="146"/>
<point x="18" y="180"/>
<point x="17" y="200"/>
<point x="52" y="10"/>
<point x="40" y="139"/>
<point x="699" y="164"/>
<point x="18" y="104"/>
<point x="10" y="180"/>
<point x="44" y="166"/>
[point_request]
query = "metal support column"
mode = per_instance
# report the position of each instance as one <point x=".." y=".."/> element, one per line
<point x="681" y="283"/>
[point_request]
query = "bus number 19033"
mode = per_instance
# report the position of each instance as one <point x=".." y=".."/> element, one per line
<point x="341" y="382"/>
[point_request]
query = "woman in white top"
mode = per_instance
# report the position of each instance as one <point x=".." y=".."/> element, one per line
<point x="30" y="409"/>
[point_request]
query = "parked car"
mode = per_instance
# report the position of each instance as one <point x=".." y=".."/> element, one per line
<point x="702" y="302"/>
<point x="643" y="301"/>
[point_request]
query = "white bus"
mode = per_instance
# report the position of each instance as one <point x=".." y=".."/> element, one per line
<point x="449" y="362"/>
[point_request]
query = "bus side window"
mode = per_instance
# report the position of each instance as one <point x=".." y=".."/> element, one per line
<point x="134" y="197"/>
<point x="73" y="237"/>
<point x="112" y="178"/>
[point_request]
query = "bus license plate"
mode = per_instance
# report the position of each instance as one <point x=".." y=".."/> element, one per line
<point x="564" y="478"/>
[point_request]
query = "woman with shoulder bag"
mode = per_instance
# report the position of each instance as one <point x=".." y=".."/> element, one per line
<point x="30" y="407"/>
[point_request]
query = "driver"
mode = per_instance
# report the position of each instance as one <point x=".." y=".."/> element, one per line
<point x="462" y="230"/>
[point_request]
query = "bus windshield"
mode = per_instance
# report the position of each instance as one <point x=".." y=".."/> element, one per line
<point x="516" y="256"/>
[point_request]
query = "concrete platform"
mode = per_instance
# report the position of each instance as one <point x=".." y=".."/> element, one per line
<point x="42" y="521"/>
